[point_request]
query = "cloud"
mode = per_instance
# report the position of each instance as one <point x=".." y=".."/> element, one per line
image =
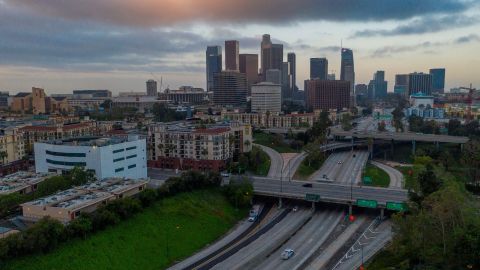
<point x="428" y="24"/>
<point x="467" y="39"/>
<point x="169" y="12"/>
<point x="389" y="50"/>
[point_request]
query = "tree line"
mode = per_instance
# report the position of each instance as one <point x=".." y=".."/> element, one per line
<point x="47" y="234"/>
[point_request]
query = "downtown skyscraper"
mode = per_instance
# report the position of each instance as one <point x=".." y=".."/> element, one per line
<point x="318" y="68"/>
<point x="214" y="64"/>
<point x="438" y="80"/>
<point x="292" y="59"/>
<point x="232" y="49"/>
<point x="271" y="55"/>
<point x="347" y="71"/>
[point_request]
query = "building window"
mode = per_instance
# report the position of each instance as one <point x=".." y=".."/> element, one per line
<point x="60" y="154"/>
<point x="66" y="163"/>
<point x="118" y="159"/>
<point x="118" y="170"/>
<point x="131" y="148"/>
<point x="132" y="156"/>
<point x="132" y="166"/>
<point x="118" y="151"/>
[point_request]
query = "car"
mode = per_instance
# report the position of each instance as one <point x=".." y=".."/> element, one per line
<point x="225" y="174"/>
<point x="339" y="162"/>
<point x="325" y="176"/>
<point x="287" y="254"/>
<point x="294" y="209"/>
<point x="307" y="185"/>
<point x="252" y="218"/>
<point x="354" y="155"/>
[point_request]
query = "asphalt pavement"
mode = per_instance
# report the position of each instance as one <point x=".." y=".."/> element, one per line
<point x="396" y="177"/>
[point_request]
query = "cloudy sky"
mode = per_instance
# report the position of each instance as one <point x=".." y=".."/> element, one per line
<point x="63" y="45"/>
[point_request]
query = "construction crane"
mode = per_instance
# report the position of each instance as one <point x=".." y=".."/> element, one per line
<point x="471" y="91"/>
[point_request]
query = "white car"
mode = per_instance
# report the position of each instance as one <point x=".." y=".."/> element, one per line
<point x="295" y="209"/>
<point x="252" y="219"/>
<point x="224" y="174"/>
<point x="287" y="253"/>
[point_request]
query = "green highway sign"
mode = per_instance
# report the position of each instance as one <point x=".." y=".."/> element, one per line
<point x="396" y="206"/>
<point x="367" y="203"/>
<point x="367" y="180"/>
<point x="312" y="197"/>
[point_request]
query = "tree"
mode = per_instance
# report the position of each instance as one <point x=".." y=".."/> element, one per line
<point x="429" y="182"/>
<point x="80" y="226"/>
<point x="471" y="157"/>
<point x="346" y="122"/>
<point x="415" y="123"/>
<point x="3" y="156"/>
<point x="381" y="126"/>
<point x="397" y="119"/>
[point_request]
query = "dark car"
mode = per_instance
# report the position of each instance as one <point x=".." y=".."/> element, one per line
<point x="307" y="185"/>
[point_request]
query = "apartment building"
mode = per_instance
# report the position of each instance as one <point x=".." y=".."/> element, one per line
<point x="67" y="205"/>
<point x="106" y="157"/>
<point x="12" y="145"/>
<point x="189" y="145"/>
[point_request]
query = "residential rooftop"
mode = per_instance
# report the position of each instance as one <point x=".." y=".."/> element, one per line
<point x="92" y="141"/>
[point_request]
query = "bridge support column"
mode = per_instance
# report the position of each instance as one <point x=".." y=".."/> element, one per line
<point x="413" y="147"/>
<point x="280" y="203"/>
<point x="353" y="142"/>
<point x="437" y="145"/>
<point x="382" y="213"/>
<point x="350" y="209"/>
<point x="313" y="206"/>
<point x="461" y="147"/>
<point x="392" y="146"/>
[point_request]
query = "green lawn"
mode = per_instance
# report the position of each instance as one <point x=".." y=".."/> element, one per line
<point x="304" y="170"/>
<point x="273" y="142"/>
<point x="190" y="220"/>
<point x="379" y="177"/>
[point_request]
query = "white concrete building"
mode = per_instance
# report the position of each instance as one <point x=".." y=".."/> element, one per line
<point x="266" y="97"/>
<point x="106" y="157"/>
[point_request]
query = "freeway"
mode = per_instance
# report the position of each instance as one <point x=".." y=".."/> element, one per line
<point x="311" y="236"/>
<point x="396" y="177"/>
<point x="330" y="167"/>
<point x="352" y="167"/>
<point x="251" y="255"/>
<point x="400" y="136"/>
<point x="329" y="192"/>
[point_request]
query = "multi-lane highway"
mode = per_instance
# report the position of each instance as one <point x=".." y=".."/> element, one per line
<point x="399" y="136"/>
<point x="342" y="167"/>
<point x="329" y="192"/>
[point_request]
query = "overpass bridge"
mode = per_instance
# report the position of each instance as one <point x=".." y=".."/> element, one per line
<point x="362" y="196"/>
<point x="400" y="136"/>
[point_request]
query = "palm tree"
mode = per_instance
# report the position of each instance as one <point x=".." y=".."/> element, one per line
<point x="3" y="155"/>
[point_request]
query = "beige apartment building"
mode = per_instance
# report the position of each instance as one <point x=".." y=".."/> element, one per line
<point x="37" y="103"/>
<point x="12" y="145"/>
<point x="186" y="145"/>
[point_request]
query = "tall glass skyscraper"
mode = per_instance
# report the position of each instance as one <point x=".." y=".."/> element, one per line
<point x="438" y="80"/>
<point x="292" y="59"/>
<point x="214" y="64"/>
<point x="318" y="68"/>
<point x="347" y="71"/>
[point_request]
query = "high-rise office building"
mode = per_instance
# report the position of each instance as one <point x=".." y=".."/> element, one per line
<point x="271" y="54"/>
<point x="265" y="54"/>
<point x="286" y="81"/>
<point x="249" y="66"/>
<point x="318" y="68"/>
<point x="274" y="76"/>
<point x="327" y="95"/>
<point x="277" y="56"/>
<point x="331" y="77"/>
<point x="371" y="90"/>
<point x="232" y="49"/>
<point x="419" y="82"/>
<point x="214" y="64"/>
<point x="380" y="86"/>
<point x="438" y="80"/>
<point x="401" y="84"/>
<point x="347" y="71"/>
<point x="266" y="97"/>
<point x="292" y="59"/>
<point x="151" y="88"/>
<point x="229" y="88"/>
<point x="361" y="90"/>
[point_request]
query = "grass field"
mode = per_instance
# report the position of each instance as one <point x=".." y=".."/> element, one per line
<point x="187" y="222"/>
<point x="379" y="177"/>
<point x="270" y="141"/>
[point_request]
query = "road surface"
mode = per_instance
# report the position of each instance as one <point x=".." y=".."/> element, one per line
<point x="276" y="161"/>
<point x="396" y="177"/>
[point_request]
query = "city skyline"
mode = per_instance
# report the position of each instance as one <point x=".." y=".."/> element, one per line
<point x="61" y="47"/>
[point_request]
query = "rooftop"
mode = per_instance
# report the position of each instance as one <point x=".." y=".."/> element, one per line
<point x="20" y="180"/>
<point x="193" y="127"/>
<point x="92" y="141"/>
